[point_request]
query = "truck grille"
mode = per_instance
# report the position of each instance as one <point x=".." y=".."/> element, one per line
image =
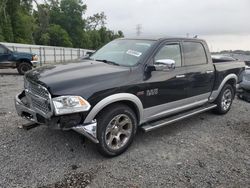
<point x="39" y="105"/>
<point x="38" y="90"/>
<point x="39" y="98"/>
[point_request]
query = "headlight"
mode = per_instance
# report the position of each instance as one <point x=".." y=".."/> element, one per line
<point x="34" y="58"/>
<point x="70" y="104"/>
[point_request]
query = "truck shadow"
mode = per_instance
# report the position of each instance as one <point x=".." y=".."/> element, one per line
<point x="70" y="143"/>
<point x="9" y="74"/>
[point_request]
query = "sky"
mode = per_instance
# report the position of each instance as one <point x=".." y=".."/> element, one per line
<point x="224" y="24"/>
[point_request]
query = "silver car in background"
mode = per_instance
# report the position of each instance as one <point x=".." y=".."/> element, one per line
<point x="244" y="86"/>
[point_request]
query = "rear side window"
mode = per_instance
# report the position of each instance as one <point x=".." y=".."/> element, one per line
<point x="194" y="53"/>
<point x="170" y="51"/>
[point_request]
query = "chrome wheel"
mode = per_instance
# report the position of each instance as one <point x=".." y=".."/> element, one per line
<point x="118" y="132"/>
<point x="227" y="99"/>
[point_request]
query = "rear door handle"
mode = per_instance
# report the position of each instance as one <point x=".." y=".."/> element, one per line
<point x="181" y="76"/>
<point x="209" y="71"/>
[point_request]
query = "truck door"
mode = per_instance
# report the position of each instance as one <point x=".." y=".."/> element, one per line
<point x="200" y="72"/>
<point x="166" y="90"/>
<point x="4" y="55"/>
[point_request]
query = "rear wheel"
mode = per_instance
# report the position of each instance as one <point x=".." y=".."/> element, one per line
<point x="23" y="67"/>
<point x="116" y="129"/>
<point x="225" y="99"/>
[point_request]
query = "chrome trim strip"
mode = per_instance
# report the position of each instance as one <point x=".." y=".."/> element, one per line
<point x="215" y="93"/>
<point x="35" y="95"/>
<point x="174" y="107"/>
<point x="115" y="98"/>
<point x="148" y="128"/>
<point x="88" y="130"/>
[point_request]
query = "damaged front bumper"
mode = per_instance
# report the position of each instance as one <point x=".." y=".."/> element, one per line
<point x="243" y="94"/>
<point x="25" y="110"/>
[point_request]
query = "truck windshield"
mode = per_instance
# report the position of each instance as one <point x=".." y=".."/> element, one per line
<point x="124" y="52"/>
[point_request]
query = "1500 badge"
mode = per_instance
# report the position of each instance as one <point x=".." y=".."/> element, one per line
<point x="152" y="92"/>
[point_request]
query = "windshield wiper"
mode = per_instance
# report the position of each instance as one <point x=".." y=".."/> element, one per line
<point x="108" y="62"/>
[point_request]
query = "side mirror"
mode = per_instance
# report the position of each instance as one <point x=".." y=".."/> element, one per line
<point x="164" y="65"/>
<point x="88" y="54"/>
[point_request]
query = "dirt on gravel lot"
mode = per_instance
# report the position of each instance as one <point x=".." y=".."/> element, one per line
<point x="204" y="151"/>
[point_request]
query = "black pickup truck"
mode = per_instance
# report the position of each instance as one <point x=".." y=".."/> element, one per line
<point x="129" y="83"/>
<point x="22" y="61"/>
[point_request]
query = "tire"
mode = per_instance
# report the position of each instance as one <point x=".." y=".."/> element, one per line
<point x="23" y="67"/>
<point x="116" y="128"/>
<point x="225" y="99"/>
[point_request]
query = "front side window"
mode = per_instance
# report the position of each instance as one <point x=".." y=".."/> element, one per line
<point x="2" y="50"/>
<point x="170" y="51"/>
<point x="124" y="52"/>
<point x="194" y="53"/>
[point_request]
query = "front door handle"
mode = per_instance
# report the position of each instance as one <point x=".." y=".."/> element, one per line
<point x="181" y="76"/>
<point x="209" y="71"/>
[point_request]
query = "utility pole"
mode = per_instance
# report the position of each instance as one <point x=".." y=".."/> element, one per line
<point x="138" y="29"/>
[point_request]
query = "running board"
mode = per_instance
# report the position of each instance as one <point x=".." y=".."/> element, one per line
<point x="163" y="122"/>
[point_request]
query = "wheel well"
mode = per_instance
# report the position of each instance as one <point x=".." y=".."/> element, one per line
<point x="129" y="104"/>
<point x="232" y="82"/>
<point x="23" y="60"/>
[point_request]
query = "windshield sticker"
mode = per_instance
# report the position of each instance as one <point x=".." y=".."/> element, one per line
<point x="134" y="53"/>
<point x="143" y="44"/>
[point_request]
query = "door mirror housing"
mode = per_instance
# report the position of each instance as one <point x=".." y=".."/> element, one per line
<point x="163" y="65"/>
<point x="88" y="54"/>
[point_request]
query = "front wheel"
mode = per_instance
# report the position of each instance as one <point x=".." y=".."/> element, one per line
<point x="116" y="129"/>
<point x="23" y="67"/>
<point x="225" y="99"/>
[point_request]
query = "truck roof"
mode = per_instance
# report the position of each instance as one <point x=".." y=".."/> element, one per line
<point x="157" y="38"/>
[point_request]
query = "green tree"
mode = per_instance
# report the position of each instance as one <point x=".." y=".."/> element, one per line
<point x="41" y="16"/>
<point x="24" y="27"/>
<point x="6" y="27"/>
<point x="58" y="36"/>
<point x="69" y="16"/>
<point x="95" y="21"/>
<point x="54" y="22"/>
<point x="17" y="21"/>
<point x="1" y="35"/>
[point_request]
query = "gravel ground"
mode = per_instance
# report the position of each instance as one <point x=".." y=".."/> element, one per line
<point x="204" y="151"/>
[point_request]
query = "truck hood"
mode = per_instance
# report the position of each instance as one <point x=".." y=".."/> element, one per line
<point x="22" y="54"/>
<point x="82" y="78"/>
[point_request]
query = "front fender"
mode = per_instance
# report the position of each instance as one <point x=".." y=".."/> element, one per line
<point x="112" y="99"/>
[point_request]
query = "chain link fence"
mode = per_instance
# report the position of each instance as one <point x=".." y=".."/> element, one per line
<point x="49" y="54"/>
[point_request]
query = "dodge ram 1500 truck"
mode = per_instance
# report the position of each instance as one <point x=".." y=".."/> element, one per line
<point x="22" y="61"/>
<point x="127" y="84"/>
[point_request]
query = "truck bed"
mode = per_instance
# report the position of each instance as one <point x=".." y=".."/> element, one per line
<point x="223" y="69"/>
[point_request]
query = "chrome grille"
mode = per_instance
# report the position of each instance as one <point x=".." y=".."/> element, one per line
<point x="41" y="106"/>
<point x="39" y="98"/>
<point x="38" y="90"/>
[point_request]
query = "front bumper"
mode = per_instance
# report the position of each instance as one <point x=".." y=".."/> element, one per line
<point x="26" y="112"/>
<point x="35" y="63"/>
